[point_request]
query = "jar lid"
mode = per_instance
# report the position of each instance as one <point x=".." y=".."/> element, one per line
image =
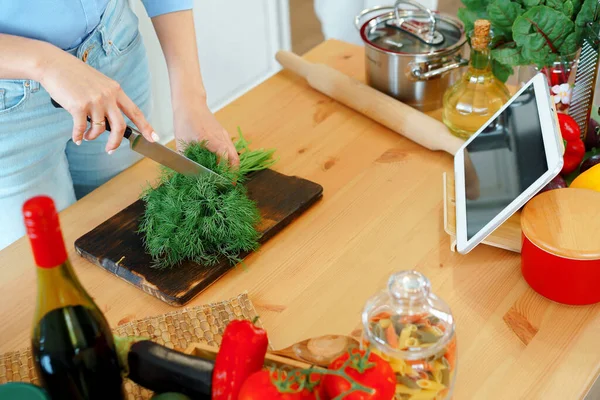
<point x="407" y="320"/>
<point x="22" y="391"/>
<point x="413" y="32"/>
<point x="564" y="222"/>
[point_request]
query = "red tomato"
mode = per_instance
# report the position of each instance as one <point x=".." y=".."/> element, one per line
<point x="260" y="386"/>
<point x="380" y="377"/>
<point x="319" y="390"/>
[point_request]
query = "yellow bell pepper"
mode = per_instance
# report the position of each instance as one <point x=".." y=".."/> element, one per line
<point x="590" y="179"/>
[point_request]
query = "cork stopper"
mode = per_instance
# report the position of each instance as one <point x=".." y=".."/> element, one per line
<point x="481" y="38"/>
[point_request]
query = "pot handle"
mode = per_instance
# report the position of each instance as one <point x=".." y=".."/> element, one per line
<point x="458" y="63"/>
<point x="419" y="6"/>
<point x="429" y="36"/>
<point x="369" y="11"/>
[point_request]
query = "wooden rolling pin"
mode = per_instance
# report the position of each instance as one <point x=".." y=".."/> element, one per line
<point x="403" y="119"/>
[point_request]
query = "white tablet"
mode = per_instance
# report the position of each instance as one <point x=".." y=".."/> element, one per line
<point x="502" y="166"/>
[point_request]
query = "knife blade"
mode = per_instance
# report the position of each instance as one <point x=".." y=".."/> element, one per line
<point x="159" y="153"/>
<point x="164" y="155"/>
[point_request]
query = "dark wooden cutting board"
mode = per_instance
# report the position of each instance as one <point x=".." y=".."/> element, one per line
<point x="280" y="199"/>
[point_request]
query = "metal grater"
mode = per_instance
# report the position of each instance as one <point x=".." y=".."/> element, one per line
<point x="585" y="78"/>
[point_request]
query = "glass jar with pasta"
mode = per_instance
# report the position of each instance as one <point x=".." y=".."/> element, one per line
<point x="413" y="330"/>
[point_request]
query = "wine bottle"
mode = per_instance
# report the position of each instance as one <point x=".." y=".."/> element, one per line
<point x="72" y="344"/>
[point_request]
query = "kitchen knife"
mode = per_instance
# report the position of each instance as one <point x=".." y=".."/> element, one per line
<point x="159" y="153"/>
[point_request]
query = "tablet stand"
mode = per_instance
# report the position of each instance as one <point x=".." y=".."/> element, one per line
<point x="507" y="236"/>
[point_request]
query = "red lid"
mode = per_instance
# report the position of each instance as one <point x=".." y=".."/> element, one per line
<point x="43" y="229"/>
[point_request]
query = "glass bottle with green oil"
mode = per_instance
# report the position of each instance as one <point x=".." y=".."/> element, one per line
<point x="478" y="95"/>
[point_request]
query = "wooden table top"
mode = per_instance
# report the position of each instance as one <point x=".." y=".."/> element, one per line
<point x="382" y="211"/>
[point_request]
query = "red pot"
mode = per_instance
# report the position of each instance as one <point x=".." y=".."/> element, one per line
<point x="560" y="257"/>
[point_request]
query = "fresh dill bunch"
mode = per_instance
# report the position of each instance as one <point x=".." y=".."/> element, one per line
<point x="197" y="218"/>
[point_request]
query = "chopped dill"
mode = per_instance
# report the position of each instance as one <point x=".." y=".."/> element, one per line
<point x="197" y="218"/>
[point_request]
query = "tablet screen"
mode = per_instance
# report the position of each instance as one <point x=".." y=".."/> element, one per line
<point x="508" y="156"/>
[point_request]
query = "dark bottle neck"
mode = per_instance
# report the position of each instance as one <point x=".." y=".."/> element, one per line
<point x="58" y="287"/>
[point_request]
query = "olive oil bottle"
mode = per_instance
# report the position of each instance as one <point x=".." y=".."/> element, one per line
<point x="478" y="95"/>
<point x="72" y="344"/>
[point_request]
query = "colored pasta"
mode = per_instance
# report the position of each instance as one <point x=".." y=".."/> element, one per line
<point x="430" y="378"/>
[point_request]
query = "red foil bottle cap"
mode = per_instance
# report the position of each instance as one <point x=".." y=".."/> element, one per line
<point x="43" y="229"/>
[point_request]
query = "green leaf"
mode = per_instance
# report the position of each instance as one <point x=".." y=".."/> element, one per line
<point x="570" y="45"/>
<point x="532" y="3"/>
<point x="543" y="33"/>
<point x="577" y="6"/>
<point x="468" y="18"/>
<point x="501" y="71"/>
<point x="502" y="14"/>
<point x="476" y="5"/>
<point x="585" y="15"/>
<point x="564" y="6"/>
<point x="508" y="54"/>
<point x="569" y="8"/>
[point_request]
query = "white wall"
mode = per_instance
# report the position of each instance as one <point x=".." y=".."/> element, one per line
<point x="237" y="41"/>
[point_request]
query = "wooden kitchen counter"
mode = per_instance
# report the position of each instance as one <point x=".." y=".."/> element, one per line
<point x="381" y="212"/>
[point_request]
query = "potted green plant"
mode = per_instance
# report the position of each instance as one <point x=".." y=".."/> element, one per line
<point x="544" y="34"/>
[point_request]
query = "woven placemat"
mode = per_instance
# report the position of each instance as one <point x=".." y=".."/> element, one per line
<point x="177" y="329"/>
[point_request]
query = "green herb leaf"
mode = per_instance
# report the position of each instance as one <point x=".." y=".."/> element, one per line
<point x="502" y="14"/>
<point x="544" y="33"/>
<point x="476" y="5"/>
<point x="468" y="18"/>
<point x="531" y="3"/>
<point x="196" y="218"/>
<point x="508" y="54"/>
<point x="577" y="6"/>
<point x="501" y="71"/>
<point x="585" y="15"/>
<point x="564" y="6"/>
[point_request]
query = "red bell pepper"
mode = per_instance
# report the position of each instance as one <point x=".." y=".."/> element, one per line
<point x="574" y="146"/>
<point x="242" y="353"/>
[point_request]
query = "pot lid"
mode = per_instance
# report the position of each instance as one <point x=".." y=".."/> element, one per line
<point x="420" y="31"/>
<point x="564" y="222"/>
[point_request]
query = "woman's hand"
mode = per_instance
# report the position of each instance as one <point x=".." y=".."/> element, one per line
<point x="83" y="92"/>
<point x="193" y="119"/>
<point x="195" y="122"/>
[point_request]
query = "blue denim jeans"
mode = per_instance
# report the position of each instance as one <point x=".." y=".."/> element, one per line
<point x="37" y="155"/>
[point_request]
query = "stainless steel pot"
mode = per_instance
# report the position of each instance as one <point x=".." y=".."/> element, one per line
<point x="412" y="55"/>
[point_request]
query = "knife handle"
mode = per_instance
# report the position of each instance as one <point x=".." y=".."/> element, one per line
<point x="126" y="134"/>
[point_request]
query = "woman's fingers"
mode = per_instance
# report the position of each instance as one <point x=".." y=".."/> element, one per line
<point x="229" y="150"/>
<point x="79" y="126"/>
<point x="234" y="158"/>
<point x="97" y="124"/>
<point x="137" y="117"/>
<point x="117" y="128"/>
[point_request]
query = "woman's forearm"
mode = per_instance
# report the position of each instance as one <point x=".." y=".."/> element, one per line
<point x="177" y="37"/>
<point x="22" y="58"/>
<point x="80" y="89"/>
<point x="193" y="120"/>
